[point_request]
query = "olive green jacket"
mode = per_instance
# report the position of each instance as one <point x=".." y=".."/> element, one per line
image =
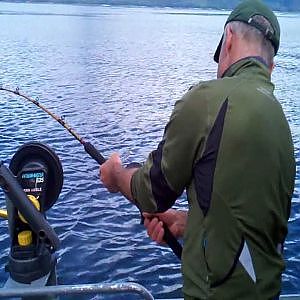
<point x="227" y="144"/>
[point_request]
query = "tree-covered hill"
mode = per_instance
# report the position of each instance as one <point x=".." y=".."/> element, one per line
<point x="284" y="5"/>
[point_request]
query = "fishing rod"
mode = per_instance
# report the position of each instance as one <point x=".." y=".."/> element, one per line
<point x="88" y="147"/>
<point x="96" y="155"/>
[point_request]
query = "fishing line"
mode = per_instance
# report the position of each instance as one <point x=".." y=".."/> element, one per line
<point x="88" y="147"/>
<point x="96" y="155"/>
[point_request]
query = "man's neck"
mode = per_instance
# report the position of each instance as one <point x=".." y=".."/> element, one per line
<point x="259" y="58"/>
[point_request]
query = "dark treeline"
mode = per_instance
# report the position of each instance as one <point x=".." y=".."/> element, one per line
<point x="283" y="5"/>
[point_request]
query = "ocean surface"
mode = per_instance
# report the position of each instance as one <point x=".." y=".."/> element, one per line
<point x="115" y="73"/>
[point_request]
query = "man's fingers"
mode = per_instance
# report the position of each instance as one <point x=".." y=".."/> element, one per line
<point x="146" y="221"/>
<point x="154" y="229"/>
<point x="151" y="226"/>
<point x="107" y="172"/>
<point x="160" y="232"/>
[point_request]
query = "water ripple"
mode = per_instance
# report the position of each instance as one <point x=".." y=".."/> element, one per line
<point x="115" y="80"/>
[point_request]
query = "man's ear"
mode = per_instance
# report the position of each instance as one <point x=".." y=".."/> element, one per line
<point x="271" y="67"/>
<point x="228" y="39"/>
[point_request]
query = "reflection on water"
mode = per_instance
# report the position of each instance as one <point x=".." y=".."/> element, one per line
<point x="115" y="73"/>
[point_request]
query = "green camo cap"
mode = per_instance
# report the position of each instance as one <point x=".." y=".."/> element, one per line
<point x="244" y="12"/>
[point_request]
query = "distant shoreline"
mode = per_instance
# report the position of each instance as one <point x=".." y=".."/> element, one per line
<point x="141" y="4"/>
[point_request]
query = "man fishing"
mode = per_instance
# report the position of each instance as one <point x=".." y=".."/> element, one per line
<point x="228" y="144"/>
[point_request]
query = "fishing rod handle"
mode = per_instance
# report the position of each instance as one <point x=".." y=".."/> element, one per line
<point x="94" y="153"/>
<point x="173" y="243"/>
<point x="169" y="239"/>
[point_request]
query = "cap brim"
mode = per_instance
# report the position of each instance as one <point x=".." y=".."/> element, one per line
<point x="218" y="50"/>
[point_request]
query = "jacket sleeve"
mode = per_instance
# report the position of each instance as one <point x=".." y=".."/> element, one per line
<point x="168" y="169"/>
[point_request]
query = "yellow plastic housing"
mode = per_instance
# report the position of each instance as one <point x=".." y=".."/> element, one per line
<point x="25" y="238"/>
<point x="3" y="213"/>
<point x="35" y="202"/>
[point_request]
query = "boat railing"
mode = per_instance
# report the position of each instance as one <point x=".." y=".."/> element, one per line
<point x="78" y="289"/>
<point x="90" y="289"/>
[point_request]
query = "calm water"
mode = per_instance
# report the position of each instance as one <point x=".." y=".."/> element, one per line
<point x="115" y="73"/>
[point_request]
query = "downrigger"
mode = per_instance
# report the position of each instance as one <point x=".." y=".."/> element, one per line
<point x="31" y="184"/>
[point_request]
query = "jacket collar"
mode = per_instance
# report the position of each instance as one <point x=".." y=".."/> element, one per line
<point x="245" y="63"/>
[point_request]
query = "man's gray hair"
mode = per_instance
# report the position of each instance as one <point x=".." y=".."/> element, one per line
<point x="253" y="35"/>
